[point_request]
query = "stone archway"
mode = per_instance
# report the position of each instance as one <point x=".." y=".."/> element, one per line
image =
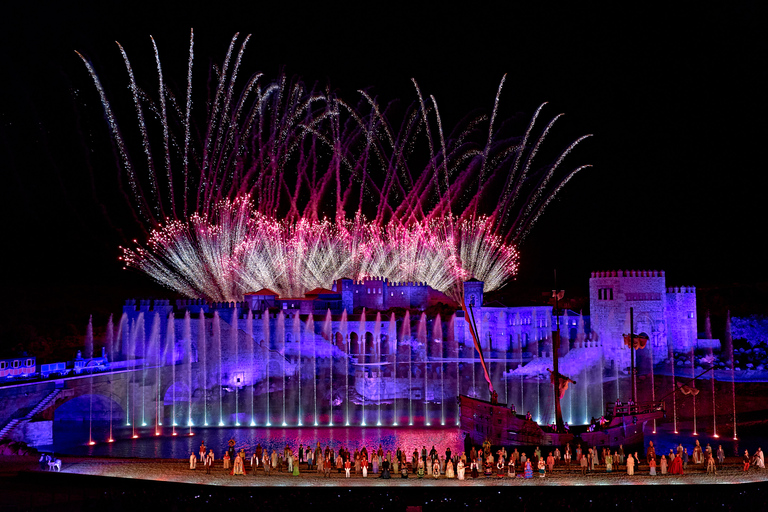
<point x="339" y="340"/>
<point x="96" y="407"/>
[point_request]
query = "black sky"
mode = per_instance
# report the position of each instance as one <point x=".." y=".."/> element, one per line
<point x="675" y="98"/>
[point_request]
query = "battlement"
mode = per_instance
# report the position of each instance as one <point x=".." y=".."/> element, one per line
<point x="184" y="303"/>
<point x="370" y="280"/>
<point x="407" y="283"/>
<point x="229" y="305"/>
<point x="628" y="273"/>
<point x="146" y="304"/>
<point x="681" y="289"/>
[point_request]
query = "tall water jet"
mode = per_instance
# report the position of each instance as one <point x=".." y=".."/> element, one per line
<point x="297" y="340"/>
<point x="136" y="340"/>
<point x="216" y="326"/>
<point x="362" y="339"/>
<point x="202" y="345"/>
<point x="186" y="333"/>
<point x="711" y="357"/>
<point x="280" y="345"/>
<point x="671" y="353"/>
<point x="234" y="347"/>
<point x="249" y="348"/>
<point x="565" y="347"/>
<point x="406" y="341"/>
<point x="377" y="361"/>
<point x="110" y="341"/>
<point x="437" y="335"/>
<point x="169" y="358"/>
<point x="150" y="357"/>
<point x="422" y="340"/>
<point x="518" y="354"/>
<point x="309" y="335"/>
<point x="328" y="336"/>
<point x="453" y="344"/>
<point x="89" y="355"/>
<point x="501" y="330"/>
<point x="348" y="363"/>
<point x="265" y="352"/>
<point x="392" y="342"/>
<point x="535" y="352"/>
<point x="581" y="341"/>
<point x="693" y="385"/>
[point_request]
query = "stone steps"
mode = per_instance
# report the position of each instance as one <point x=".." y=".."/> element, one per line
<point x="11" y="425"/>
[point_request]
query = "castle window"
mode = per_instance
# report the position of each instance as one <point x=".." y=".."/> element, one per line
<point x="691" y="314"/>
<point x="391" y="294"/>
<point x="607" y="294"/>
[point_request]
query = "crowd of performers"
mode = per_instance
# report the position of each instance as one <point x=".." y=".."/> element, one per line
<point x="480" y="461"/>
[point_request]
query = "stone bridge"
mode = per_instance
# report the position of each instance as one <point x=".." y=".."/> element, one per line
<point x="28" y="410"/>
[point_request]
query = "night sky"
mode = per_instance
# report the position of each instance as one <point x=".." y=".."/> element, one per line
<point x="675" y="97"/>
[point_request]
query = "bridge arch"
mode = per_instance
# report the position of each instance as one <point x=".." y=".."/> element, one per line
<point x="95" y="406"/>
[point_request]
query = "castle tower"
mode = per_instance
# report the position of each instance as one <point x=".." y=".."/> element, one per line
<point x="612" y="294"/>
<point x="473" y="294"/>
<point x="345" y="288"/>
<point x="681" y="317"/>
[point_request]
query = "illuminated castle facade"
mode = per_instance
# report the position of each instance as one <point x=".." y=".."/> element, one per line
<point x="667" y="315"/>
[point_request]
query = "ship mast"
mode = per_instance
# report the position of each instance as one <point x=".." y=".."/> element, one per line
<point x="470" y="316"/>
<point x="555" y="358"/>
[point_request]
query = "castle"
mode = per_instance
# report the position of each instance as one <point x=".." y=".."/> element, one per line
<point x="327" y="354"/>
<point x="349" y="315"/>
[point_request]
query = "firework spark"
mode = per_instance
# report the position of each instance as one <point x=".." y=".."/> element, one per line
<point x="237" y="250"/>
<point x="248" y="204"/>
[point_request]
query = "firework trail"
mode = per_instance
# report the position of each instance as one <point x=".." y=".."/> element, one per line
<point x="289" y="188"/>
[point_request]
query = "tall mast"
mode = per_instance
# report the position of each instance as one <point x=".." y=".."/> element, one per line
<point x="555" y="360"/>
<point x="633" y="371"/>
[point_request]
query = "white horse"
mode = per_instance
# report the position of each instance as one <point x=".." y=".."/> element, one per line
<point x="54" y="465"/>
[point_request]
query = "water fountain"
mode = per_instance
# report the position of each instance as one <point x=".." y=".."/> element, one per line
<point x="89" y="355"/>
<point x="201" y="344"/>
<point x="393" y="345"/>
<point x="188" y="358"/>
<point x="376" y="363"/>
<point x="251" y="351"/>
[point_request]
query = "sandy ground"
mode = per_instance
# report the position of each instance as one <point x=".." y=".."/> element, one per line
<point x="164" y="470"/>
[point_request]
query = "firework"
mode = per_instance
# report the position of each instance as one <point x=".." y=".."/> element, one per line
<point x="237" y="250"/>
<point x="289" y="188"/>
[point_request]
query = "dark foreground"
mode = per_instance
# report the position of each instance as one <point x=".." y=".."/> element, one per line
<point x="169" y="486"/>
